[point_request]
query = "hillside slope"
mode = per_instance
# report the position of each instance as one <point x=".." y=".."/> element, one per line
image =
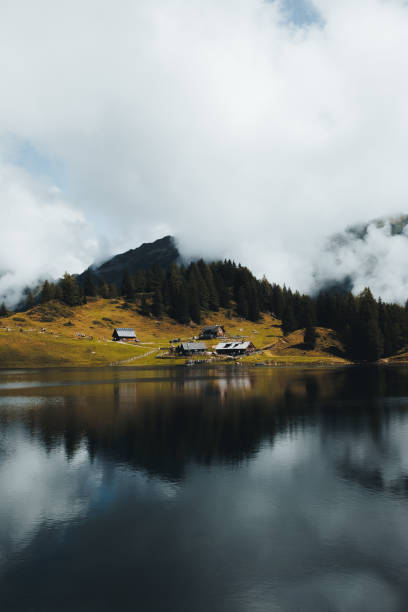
<point x="56" y="335"/>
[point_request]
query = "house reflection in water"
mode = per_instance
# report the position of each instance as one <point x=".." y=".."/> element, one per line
<point x="241" y="384"/>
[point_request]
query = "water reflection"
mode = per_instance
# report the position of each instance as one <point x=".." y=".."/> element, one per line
<point x="197" y="490"/>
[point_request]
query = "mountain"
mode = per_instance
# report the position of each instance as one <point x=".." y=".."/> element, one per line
<point x="162" y="252"/>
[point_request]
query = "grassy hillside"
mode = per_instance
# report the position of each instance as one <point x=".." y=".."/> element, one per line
<point x="56" y="335"/>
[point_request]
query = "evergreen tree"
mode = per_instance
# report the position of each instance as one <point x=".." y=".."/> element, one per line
<point x="277" y="304"/>
<point x="139" y="281"/>
<point x="253" y="303"/>
<point x="367" y="343"/>
<point x="3" y="311"/>
<point x="47" y="292"/>
<point x="89" y="285"/>
<point x="128" y="287"/>
<point x="104" y="290"/>
<point x="174" y="280"/>
<point x="113" y="290"/>
<point x="221" y="286"/>
<point x="29" y="301"/>
<point x="182" y="306"/>
<point x="193" y="301"/>
<point x="288" y="320"/>
<point x="70" y="290"/>
<point x="155" y="278"/>
<point x="242" y="303"/>
<point x="157" y="307"/>
<point x="144" y="307"/>
<point x="310" y="337"/>
<point x="58" y="293"/>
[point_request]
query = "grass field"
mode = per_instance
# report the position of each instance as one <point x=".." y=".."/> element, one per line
<point x="56" y="335"/>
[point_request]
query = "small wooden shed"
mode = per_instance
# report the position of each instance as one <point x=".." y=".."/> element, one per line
<point x="212" y="331"/>
<point x="126" y="334"/>
<point x="191" y="348"/>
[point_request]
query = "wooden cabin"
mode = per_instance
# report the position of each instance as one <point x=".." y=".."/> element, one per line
<point x="125" y="334"/>
<point x="191" y="348"/>
<point x="235" y="348"/>
<point x="212" y="331"/>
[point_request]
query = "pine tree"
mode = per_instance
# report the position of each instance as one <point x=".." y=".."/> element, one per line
<point x="89" y="285"/>
<point x="58" y="293"/>
<point x="288" y="320"/>
<point x="128" y="288"/>
<point x="198" y="271"/>
<point x="103" y="290"/>
<point x="113" y="290"/>
<point x="70" y="290"/>
<point x="193" y="301"/>
<point x="47" y="292"/>
<point x="3" y="311"/>
<point x="144" y="307"/>
<point x="277" y="302"/>
<point x="253" y="303"/>
<point x="155" y="278"/>
<point x="157" y="307"/>
<point x="182" y="306"/>
<point x="367" y="341"/>
<point x="242" y="304"/>
<point x="139" y="281"/>
<point x="29" y="301"/>
<point x="310" y="337"/>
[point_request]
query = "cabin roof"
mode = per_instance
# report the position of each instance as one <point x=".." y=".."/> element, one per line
<point x="212" y="328"/>
<point x="125" y="332"/>
<point x="233" y="346"/>
<point x="193" y="346"/>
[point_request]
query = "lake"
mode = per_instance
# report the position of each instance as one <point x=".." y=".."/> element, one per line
<point x="233" y="490"/>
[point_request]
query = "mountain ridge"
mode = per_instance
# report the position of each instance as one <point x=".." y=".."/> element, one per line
<point x="162" y="252"/>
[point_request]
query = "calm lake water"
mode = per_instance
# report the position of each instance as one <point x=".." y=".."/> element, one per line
<point x="190" y="490"/>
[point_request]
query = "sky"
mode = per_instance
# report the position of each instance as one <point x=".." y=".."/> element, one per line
<point x="248" y="129"/>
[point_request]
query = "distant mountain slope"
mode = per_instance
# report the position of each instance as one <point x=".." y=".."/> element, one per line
<point x="162" y="252"/>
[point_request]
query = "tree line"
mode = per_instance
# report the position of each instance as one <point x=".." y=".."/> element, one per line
<point x="369" y="328"/>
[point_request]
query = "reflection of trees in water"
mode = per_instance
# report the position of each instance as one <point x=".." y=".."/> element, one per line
<point x="359" y="429"/>
<point x="161" y="427"/>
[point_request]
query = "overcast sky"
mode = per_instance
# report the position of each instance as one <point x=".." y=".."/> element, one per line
<point x="245" y="128"/>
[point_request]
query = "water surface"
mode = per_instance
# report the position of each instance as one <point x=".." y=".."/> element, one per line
<point x="196" y="490"/>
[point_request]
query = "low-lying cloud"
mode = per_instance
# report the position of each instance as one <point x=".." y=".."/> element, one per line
<point x="241" y="130"/>
<point x="42" y="236"/>
<point x="376" y="258"/>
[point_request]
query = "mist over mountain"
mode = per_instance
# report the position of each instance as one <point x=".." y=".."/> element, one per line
<point x="373" y="254"/>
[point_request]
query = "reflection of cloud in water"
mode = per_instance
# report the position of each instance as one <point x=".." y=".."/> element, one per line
<point x="37" y="487"/>
<point x="375" y="463"/>
<point x="41" y="489"/>
<point x="351" y="593"/>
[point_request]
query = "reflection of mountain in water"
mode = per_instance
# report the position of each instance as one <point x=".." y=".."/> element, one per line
<point x="163" y="425"/>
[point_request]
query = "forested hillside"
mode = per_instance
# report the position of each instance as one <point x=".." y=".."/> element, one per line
<point x="369" y="329"/>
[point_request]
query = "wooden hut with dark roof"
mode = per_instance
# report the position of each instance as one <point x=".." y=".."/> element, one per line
<point x="191" y="348"/>
<point x="212" y="331"/>
<point x="125" y="334"/>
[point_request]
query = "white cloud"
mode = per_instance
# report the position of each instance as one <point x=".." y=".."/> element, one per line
<point x="376" y="259"/>
<point x="216" y="120"/>
<point x="41" y="234"/>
